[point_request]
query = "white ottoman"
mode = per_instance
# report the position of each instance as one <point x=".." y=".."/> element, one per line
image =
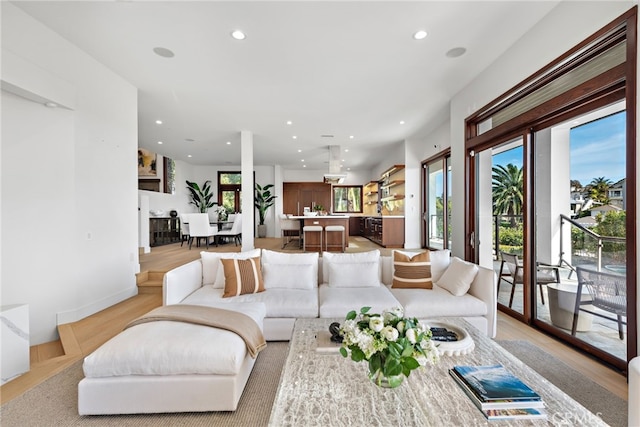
<point x="168" y="366"/>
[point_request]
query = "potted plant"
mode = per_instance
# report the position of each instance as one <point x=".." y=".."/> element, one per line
<point x="263" y="200"/>
<point x="320" y="209"/>
<point x="201" y="197"/>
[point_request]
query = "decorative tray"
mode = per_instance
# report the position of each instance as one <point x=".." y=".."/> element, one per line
<point x="463" y="345"/>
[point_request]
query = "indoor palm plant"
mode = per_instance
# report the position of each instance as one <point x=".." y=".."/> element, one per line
<point x="263" y="200"/>
<point x="201" y="197"/>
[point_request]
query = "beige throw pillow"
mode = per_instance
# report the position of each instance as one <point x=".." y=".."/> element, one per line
<point x="458" y="277"/>
<point x="411" y="271"/>
<point x="242" y="276"/>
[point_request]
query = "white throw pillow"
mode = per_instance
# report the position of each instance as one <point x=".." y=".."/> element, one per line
<point x="354" y="275"/>
<point x="289" y="271"/>
<point x="458" y="277"/>
<point x="212" y="271"/>
<point x="439" y="262"/>
<point x="351" y="270"/>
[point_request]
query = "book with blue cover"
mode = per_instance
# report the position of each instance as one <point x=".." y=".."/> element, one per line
<point x="495" y="404"/>
<point x="494" y="382"/>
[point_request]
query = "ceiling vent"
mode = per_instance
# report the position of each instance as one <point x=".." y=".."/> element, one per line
<point x="335" y="176"/>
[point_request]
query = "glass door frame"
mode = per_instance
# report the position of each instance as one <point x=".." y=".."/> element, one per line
<point x="619" y="83"/>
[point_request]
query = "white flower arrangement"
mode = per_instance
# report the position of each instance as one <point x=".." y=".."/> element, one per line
<point x="392" y="344"/>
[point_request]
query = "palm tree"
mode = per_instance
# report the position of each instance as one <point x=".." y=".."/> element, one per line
<point x="508" y="191"/>
<point x="599" y="190"/>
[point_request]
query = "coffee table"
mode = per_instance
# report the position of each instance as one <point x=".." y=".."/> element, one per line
<point x="325" y="389"/>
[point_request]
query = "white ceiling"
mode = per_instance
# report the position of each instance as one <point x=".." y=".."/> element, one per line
<point x="332" y="68"/>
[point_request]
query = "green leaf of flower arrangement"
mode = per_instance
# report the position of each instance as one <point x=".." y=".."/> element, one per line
<point x="392" y="366"/>
<point x="357" y="355"/>
<point x="343" y="352"/>
<point x="365" y="310"/>
<point x="351" y="315"/>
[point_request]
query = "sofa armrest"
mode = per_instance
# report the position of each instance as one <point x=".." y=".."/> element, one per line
<point x="181" y="282"/>
<point x="484" y="287"/>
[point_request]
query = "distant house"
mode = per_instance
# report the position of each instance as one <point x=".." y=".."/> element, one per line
<point x="617" y="192"/>
<point x="604" y="209"/>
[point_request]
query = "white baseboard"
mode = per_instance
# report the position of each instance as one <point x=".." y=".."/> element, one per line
<point x="82" y="312"/>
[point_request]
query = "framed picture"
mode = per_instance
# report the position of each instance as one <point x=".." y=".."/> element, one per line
<point x="146" y="163"/>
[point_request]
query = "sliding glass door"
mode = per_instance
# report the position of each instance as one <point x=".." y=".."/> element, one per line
<point x="551" y="173"/>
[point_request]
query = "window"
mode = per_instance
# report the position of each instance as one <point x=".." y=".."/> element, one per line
<point x="230" y="191"/>
<point x="347" y="198"/>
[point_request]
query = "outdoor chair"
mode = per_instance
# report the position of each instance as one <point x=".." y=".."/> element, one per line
<point x="545" y="274"/>
<point x="608" y="293"/>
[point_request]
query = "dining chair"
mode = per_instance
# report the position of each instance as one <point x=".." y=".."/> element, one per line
<point x="235" y="231"/>
<point x="184" y="229"/>
<point x="608" y="293"/>
<point x="545" y="274"/>
<point x="199" y="228"/>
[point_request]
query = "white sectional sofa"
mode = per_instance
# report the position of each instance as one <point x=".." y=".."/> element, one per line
<point x="306" y="285"/>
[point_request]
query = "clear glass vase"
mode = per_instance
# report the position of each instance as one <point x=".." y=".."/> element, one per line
<point x="381" y="380"/>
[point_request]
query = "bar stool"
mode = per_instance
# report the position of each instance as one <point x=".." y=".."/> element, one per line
<point x="311" y="229"/>
<point x="334" y="228"/>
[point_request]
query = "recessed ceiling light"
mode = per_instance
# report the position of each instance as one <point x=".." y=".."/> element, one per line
<point x="419" y="35"/>
<point x="228" y="142"/>
<point x="401" y="122"/>
<point x="351" y="137"/>
<point x="160" y="142"/>
<point x="302" y="160"/>
<point x="294" y="137"/>
<point x="289" y="122"/>
<point x="189" y="155"/>
<point x="164" y="52"/>
<point x="299" y="151"/>
<point x="346" y="150"/>
<point x="238" y="35"/>
<point x="50" y="104"/>
<point x="304" y="166"/>
<point x="456" y="52"/>
<point x="158" y="122"/>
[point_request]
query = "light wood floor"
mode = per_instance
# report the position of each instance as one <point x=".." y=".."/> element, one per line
<point x="80" y="338"/>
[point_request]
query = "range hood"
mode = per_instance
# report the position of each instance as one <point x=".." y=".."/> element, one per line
<point x="335" y="176"/>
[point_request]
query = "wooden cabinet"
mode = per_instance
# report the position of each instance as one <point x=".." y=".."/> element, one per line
<point x="385" y="231"/>
<point x="163" y="231"/>
<point x="355" y="226"/>
<point x="391" y="189"/>
<point x="298" y="195"/>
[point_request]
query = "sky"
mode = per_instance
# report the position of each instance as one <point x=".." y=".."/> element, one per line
<point x="597" y="150"/>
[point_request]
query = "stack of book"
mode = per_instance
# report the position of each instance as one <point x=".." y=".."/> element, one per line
<point x="498" y="393"/>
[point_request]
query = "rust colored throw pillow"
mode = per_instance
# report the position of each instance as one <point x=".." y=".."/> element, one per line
<point x="412" y="271"/>
<point x="242" y="276"/>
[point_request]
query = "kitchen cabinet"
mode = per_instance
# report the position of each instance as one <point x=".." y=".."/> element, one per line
<point x="298" y="195"/>
<point x="385" y="231"/>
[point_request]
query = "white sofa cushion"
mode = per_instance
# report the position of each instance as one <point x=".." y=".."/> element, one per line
<point x="440" y="261"/>
<point x="172" y="348"/>
<point x="438" y="302"/>
<point x="289" y="270"/>
<point x="279" y="302"/>
<point x="352" y="270"/>
<point x="212" y="271"/>
<point x="458" y="277"/>
<point x="337" y="302"/>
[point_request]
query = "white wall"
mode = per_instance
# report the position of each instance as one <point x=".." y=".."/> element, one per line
<point x="69" y="200"/>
